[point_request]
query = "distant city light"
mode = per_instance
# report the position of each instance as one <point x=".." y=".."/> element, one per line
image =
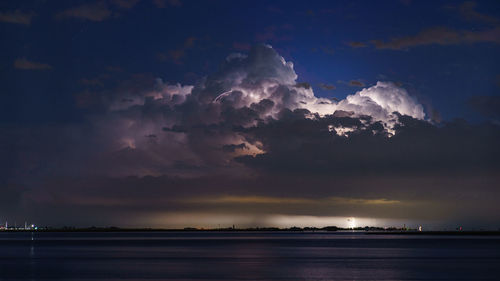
<point x="351" y="222"/>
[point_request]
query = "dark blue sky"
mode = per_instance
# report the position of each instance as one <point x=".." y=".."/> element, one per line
<point x="182" y="41"/>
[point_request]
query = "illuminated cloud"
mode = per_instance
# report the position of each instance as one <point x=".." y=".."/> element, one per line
<point x="381" y="101"/>
<point x="194" y="126"/>
<point x="265" y="75"/>
<point x="164" y="93"/>
<point x="200" y="129"/>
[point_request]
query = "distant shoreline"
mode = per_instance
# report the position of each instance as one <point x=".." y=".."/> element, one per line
<point x="459" y="233"/>
<point x="371" y="231"/>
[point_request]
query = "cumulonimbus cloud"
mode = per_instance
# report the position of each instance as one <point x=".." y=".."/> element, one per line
<point x="190" y="129"/>
<point x="195" y="124"/>
<point x="183" y="129"/>
<point x="264" y="82"/>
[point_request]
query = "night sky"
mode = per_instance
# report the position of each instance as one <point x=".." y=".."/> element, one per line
<point x="176" y="113"/>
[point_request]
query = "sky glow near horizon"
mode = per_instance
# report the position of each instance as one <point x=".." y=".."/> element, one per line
<point x="214" y="221"/>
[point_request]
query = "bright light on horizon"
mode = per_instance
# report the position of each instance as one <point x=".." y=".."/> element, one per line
<point x="215" y="220"/>
<point x="351" y="222"/>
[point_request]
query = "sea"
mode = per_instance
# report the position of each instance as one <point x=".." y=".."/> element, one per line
<point x="234" y="255"/>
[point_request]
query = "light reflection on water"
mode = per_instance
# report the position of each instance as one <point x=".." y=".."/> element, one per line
<point x="246" y="256"/>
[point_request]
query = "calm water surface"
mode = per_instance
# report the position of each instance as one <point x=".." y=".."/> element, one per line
<point x="246" y="256"/>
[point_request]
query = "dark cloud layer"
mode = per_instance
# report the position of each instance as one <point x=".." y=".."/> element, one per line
<point x="416" y="147"/>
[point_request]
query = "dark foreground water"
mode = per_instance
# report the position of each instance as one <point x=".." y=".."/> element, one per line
<point x="246" y="256"/>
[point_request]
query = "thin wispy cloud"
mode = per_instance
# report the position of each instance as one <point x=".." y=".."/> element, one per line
<point x="327" y="87"/>
<point x="125" y="4"/>
<point x="177" y="55"/>
<point x="17" y="17"/>
<point x="357" y="44"/>
<point x="352" y="83"/>
<point x="469" y="12"/>
<point x="25" y="64"/>
<point x="439" y="36"/>
<point x="164" y="3"/>
<point x="92" y="12"/>
<point x="290" y="200"/>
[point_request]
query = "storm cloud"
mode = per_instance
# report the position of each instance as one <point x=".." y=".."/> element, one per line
<point x="241" y="139"/>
